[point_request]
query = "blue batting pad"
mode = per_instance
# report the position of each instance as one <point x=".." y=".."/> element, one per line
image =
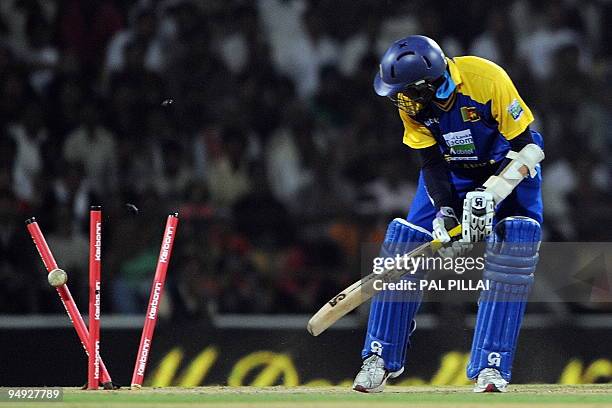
<point x="510" y="261"/>
<point x="392" y="312"/>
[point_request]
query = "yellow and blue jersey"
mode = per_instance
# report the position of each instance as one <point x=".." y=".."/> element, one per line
<point x="475" y="125"/>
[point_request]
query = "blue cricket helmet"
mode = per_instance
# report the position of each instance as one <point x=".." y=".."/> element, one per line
<point x="409" y="60"/>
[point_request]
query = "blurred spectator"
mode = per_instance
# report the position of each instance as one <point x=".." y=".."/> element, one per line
<point x="556" y="199"/>
<point x="361" y="42"/>
<point x="65" y="114"/>
<point x="258" y="122"/>
<point x="497" y="43"/>
<point x="227" y="174"/>
<point x="71" y="246"/>
<point x="8" y="151"/>
<point x="70" y="190"/>
<point x="207" y="138"/>
<point x="241" y="32"/>
<point x="29" y="135"/>
<point x="261" y="217"/>
<point x="19" y="17"/>
<point x="173" y="173"/>
<point x="288" y="163"/>
<point x="40" y="54"/>
<point x="431" y="22"/>
<point x="15" y="91"/>
<point x="300" y="45"/>
<point x="19" y="285"/>
<point x="390" y="192"/>
<point x="538" y="49"/>
<point x="138" y="257"/>
<point x="143" y="35"/>
<point x="93" y="145"/>
<point x="84" y="29"/>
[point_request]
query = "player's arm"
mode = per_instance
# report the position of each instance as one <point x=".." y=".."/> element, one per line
<point x="434" y="169"/>
<point x="479" y="205"/>
<point x="439" y="187"/>
<point x="516" y="145"/>
<point x="436" y="175"/>
<point x="513" y="118"/>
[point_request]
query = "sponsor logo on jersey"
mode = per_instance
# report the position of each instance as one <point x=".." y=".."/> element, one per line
<point x="461" y="144"/>
<point x="431" y="122"/>
<point x="515" y="109"/>
<point x="463" y="158"/>
<point x="469" y="114"/>
<point x="450" y="158"/>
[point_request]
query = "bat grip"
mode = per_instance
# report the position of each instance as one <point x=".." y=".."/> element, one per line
<point x="454" y="232"/>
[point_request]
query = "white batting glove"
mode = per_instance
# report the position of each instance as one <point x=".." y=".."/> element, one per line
<point x="478" y="213"/>
<point x="445" y="221"/>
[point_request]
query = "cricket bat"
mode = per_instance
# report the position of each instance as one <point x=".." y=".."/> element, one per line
<point x="362" y="290"/>
<point x="500" y="186"/>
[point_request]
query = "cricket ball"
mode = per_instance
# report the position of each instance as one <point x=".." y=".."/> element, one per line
<point x="57" y="277"/>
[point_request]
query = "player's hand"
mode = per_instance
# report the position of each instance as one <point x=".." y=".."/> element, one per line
<point x="445" y="221"/>
<point x="478" y="213"/>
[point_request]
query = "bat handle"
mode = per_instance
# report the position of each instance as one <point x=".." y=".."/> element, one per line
<point x="455" y="232"/>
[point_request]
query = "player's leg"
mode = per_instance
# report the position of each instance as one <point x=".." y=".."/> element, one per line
<point x="391" y="315"/>
<point x="512" y="256"/>
<point x="392" y="312"/>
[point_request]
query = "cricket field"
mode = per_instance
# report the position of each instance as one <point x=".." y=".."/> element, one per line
<point x="544" y="395"/>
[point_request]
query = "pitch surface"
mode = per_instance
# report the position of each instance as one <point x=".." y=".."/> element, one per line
<point x="599" y="395"/>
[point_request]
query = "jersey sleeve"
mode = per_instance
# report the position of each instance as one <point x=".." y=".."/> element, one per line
<point x="508" y="108"/>
<point x="416" y="135"/>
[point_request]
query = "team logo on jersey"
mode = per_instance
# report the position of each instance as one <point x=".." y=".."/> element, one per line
<point x="515" y="109"/>
<point x="469" y="114"/>
<point x="461" y="145"/>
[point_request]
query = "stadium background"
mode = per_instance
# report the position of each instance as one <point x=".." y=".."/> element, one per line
<point x="256" y="120"/>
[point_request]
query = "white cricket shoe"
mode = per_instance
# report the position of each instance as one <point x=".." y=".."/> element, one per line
<point x="490" y="380"/>
<point x="373" y="375"/>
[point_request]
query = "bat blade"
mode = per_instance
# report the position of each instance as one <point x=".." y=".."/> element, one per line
<point x="361" y="291"/>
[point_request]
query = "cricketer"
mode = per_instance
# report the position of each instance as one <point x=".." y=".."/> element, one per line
<point x="467" y="121"/>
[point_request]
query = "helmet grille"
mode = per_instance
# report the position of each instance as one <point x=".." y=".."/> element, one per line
<point x="406" y="104"/>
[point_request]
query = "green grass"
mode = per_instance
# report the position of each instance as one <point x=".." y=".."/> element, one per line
<point x="432" y="396"/>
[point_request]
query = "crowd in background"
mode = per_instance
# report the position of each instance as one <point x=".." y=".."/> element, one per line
<point x="257" y="121"/>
